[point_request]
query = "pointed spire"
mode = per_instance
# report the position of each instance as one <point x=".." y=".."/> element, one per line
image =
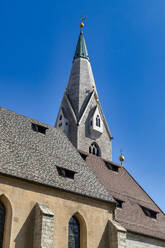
<point x="81" y="49"/>
<point x="83" y="120"/>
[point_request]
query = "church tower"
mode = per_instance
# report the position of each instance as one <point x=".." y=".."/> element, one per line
<point x="80" y="115"/>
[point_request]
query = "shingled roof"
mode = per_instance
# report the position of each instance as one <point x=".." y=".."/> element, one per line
<point x="34" y="156"/>
<point x="122" y="186"/>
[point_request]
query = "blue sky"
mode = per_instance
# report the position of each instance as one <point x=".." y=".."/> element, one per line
<point x="126" y="45"/>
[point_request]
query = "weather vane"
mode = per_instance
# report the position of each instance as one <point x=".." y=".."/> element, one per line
<point x="82" y="22"/>
<point x="121" y="158"/>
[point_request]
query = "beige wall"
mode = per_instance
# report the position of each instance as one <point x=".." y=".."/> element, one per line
<point x="23" y="196"/>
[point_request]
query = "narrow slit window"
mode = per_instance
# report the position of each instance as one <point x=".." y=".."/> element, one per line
<point x="65" y="172"/>
<point x="39" y="128"/>
<point x="148" y="212"/>
<point x="98" y="121"/>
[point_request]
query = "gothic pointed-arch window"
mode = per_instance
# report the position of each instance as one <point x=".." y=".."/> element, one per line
<point x="98" y="121"/>
<point x="2" y="223"/>
<point x="74" y="233"/>
<point x="94" y="149"/>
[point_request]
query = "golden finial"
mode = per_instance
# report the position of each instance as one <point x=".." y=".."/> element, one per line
<point x="121" y="158"/>
<point x="82" y="24"/>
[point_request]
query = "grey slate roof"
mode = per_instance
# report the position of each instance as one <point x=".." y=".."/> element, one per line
<point x="33" y="156"/>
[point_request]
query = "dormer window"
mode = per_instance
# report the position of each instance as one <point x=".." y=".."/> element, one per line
<point x="39" y="128"/>
<point x="97" y="121"/>
<point x="65" y="172"/>
<point x="94" y="149"/>
<point x="119" y="203"/>
<point x="150" y="213"/>
<point x="111" y="166"/>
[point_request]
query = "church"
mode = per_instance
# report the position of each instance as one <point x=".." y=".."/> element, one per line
<point x="59" y="187"/>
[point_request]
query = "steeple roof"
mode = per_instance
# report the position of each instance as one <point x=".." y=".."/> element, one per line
<point x="80" y="102"/>
<point x="81" y="49"/>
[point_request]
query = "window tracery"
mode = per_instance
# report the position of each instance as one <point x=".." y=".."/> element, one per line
<point x="94" y="149"/>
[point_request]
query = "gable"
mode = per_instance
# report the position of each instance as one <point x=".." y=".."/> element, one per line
<point x="87" y="135"/>
<point x="96" y="123"/>
<point x="62" y="121"/>
<point x="92" y="108"/>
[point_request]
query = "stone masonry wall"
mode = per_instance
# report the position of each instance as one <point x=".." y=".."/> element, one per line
<point x="117" y="235"/>
<point x="84" y="136"/>
<point x="44" y="227"/>
<point x="139" y="241"/>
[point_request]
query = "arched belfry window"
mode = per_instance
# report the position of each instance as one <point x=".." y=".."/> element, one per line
<point x="98" y="121"/>
<point x="74" y="233"/>
<point x="94" y="149"/>
<point x="2" y="223"/>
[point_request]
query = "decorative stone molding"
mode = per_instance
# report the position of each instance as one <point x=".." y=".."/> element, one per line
<point x="44" y="227"/>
